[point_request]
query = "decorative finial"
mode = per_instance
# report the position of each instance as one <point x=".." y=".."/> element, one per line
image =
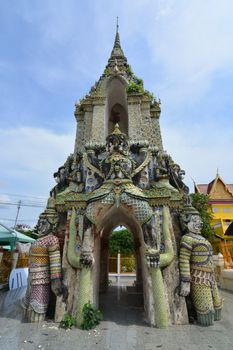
<point x="117" y="26"/>
<point x="217" y="173"/>
<point x="117" y="51"/>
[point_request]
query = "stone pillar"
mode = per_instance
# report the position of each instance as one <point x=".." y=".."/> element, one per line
<point x="79" y="140"/>
<point x="156" y="132"/>
<point x="98" y="123"/>
<point x="87" y="130"/>
<point x="134" y="117"/>
<point x="146" y="124"/>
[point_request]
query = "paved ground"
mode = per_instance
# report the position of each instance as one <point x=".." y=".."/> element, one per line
<point x="123" y="328"/>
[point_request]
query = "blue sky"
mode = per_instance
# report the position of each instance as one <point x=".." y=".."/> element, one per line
<point x="53" y="51"/>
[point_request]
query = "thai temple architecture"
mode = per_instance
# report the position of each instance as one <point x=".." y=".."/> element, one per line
<point x="221" y="201"/>
<point x="119" y="174"/>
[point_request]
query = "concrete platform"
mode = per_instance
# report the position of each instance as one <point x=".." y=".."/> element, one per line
<point x="123" y="328"/>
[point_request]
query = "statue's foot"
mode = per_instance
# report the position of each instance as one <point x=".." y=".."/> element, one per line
<point x="217" y="314"/>
<point x="32" y="316"/>
<point x="205" y="320"/>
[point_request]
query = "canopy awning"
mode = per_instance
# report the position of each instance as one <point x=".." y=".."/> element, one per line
<point x="10" y="237"/>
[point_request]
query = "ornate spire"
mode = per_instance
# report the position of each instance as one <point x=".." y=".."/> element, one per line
<point x="117" y="52"/>
<point x="117" y="43"/>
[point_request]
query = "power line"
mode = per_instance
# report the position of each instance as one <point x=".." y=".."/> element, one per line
<point x="6" y="219"/>
<point x="24" y="195"/>
<point x="41" y="205"/>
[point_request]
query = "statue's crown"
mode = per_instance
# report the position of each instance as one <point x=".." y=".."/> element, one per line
<point x="50" y="212"/>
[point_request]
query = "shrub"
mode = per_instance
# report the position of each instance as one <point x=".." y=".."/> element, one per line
<point x="68" y="321"/>
<point x="91" y="317"/>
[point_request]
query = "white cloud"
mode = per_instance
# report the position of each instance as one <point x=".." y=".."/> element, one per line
<point x="4" y="198"/>
<point x="192" y="43"/>
<point x="200" y="151"/>
<point x="187" y="43"/>
<point x="33" y="154"/>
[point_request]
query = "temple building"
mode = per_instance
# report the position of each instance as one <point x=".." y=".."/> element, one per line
<point x="120" y="175"/>
<point x="118" y="97"/>
<point x="221" y="201"/>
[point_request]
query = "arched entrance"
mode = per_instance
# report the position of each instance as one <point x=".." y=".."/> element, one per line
<point x="120" y="295"/>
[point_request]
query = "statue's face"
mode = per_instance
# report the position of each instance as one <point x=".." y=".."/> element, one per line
<point x="43" y="227"/>
<point x="116" y="143"/>
<point x="195" y="224"/>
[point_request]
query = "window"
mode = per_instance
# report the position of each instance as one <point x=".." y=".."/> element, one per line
<point x="215" y="210"/>
<point x="226" y="210"/>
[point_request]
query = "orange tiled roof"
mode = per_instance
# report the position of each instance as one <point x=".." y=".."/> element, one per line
<point x="202" y="188"/>
<point x="206" y="188"/>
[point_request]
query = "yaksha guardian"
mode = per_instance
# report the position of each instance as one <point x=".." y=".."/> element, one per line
<point x="197" y="270"/>
<point x="44" y="267"/>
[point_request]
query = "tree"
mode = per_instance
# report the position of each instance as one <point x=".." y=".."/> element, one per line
<point x="26" y="230"/>
<point x="121" y="241"/>
<point x="201" y="203"/>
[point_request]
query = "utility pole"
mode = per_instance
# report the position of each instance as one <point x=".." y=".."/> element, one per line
<point x="17" y="215"/>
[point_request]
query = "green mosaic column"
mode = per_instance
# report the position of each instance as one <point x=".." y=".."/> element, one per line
<point x="161" y="317"/>
<point x="84" y="293"/>
<point x="160" y="306"/>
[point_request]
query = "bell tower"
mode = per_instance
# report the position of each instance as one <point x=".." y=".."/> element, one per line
<point x="118" y="97"/>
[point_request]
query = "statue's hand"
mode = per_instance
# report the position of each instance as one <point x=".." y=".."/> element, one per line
<point x="153" y="260"/>
<point x="56" y="287"/>
<point x="184" y="289"/>
<point x="86" y="259"/>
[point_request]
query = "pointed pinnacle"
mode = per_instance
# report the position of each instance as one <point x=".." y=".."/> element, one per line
<point x="117" y="52"/>
<point x="117" y="43"/>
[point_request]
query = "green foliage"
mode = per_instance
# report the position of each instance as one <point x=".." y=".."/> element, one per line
<point x="138" y="81"/>
<point x="121" y="241"/>
<point x="26" y="230"/>
<point x="129" y="71"/>
<point x="201" y="203"/>
<point x="91" y="317"/>
<point x="128" y="264"/>
<point x="107" y="71"/>
<point x="68" y="321"/>
<point x="134" y="88"/>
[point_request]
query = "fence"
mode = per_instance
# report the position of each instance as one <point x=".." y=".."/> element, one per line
<point x="10" y="260"/>
<point x="122" y="264"/>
